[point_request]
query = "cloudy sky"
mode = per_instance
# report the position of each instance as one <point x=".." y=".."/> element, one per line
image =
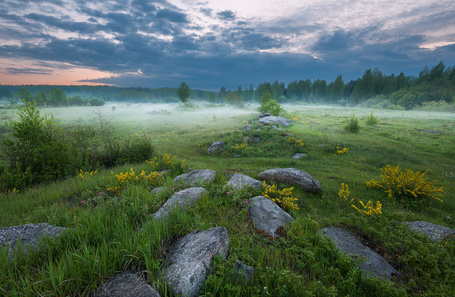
<point x="214" y="43"/>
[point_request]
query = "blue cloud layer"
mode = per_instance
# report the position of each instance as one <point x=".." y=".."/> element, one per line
<point x="168" y="45"/>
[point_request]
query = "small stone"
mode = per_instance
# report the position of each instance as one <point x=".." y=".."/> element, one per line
<point x="126" y="284"/>
<point x="275" y="120"/>
<point x="216" y="146"/>
<point x="348" y="244"/>
<point x="239" y="181"/>
<point x="245" y="271"/>
<point x="268" y="216"/>
<point x="299" y="155"/>
<point x="291" y="176"/>
<point x="190" y="259"/>
<point x="29" y="235"/>
<point x="433" y="231"/>
<point x="196" y="177"/>
<point x="180" y="200"/>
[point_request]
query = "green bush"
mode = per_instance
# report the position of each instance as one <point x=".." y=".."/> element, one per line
<point x="371" y="120"/>
<point x="96" y="102"/>
<point x="352" y="126"/>
<point x="41" y="150"/>
<point x="37" y="143"/>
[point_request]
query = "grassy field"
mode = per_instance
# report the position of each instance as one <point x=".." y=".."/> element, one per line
<point x="104" y="237"/>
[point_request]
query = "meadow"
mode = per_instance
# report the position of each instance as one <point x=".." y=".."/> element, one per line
<point x="104" y="237"/>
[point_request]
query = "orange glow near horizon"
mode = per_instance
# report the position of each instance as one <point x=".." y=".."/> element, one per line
<point x="69" y="76"/>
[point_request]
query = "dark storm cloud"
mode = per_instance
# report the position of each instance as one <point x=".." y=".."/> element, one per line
<point x="172" y="16"/>
<point x="64" y="23"/>
<point x="12" y="70"/>
<point x="226" y="15"/>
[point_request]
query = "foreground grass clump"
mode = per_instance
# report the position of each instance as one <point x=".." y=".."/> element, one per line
<point x="406" y="184"/>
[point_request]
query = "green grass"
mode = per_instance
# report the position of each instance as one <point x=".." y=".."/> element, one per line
<point x="104" y="238"/>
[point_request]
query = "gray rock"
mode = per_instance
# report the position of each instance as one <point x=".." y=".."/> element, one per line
<point x="190" y="259"/>
<point x="299" y="155"/>
<point x="433" y="231"/>
<point x="247" y="272"/>
<point x="375" y="265"/>
<point x="247" y="127"/>
<point x="265" y="115"/>
<point x="180" y="200"/>
<point x="29" y="235"/>
<point x="247" y="139"/>
<point x="291" y="176"/>
<point x="275" y="120"/>
<point x="238" y="181"/>
<point x="216" y="146"/>
<point x="126" y="284"/>
<point x="257" y="139"/>
<point x="196" y="177"/>
<point x="268" y="216"/>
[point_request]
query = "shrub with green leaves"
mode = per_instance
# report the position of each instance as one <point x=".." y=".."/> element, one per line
<point x="371" y="120"/>
<point x="269" y="105"/>
<point x="352" y="126"/>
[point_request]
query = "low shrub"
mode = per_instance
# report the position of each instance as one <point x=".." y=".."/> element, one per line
<point x="352" y="126"/>
<point x="371" y="120"/>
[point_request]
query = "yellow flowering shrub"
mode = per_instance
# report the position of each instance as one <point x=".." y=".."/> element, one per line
<point x="406" y="184"/>
<point x="367" y="209"/>
<point x="341" y="151"/>
<point x="241" y="147"/>
<point x="298" y="142"/>
<point x="83" y="174"/>
<point x="280" y="197"/>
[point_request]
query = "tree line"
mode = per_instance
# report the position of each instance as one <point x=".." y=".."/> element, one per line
<point x="433" y="84"/>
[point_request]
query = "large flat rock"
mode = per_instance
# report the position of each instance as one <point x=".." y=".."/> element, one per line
<point x="268" y="216"/>
<point x="196" y="177"/>
<point x="190" y="259"/>
<point x="348" y="244"/>
<point x="180" y="200"/>
<point x="433" y="231"/>
<point x="275" y="120"/>
<point x="126" y="284"/>
<point x="291" y="176"/>
<point x="239" y="181"/>
<point x="29" y="235"/>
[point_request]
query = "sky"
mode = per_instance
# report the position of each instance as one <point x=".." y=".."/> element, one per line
<point x="214" y="43"/>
